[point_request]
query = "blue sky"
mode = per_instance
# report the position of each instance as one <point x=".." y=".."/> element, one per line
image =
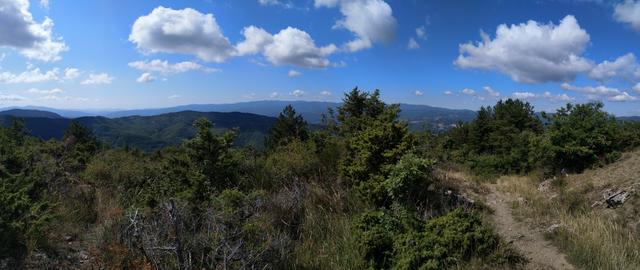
<point x="459" y="54"/>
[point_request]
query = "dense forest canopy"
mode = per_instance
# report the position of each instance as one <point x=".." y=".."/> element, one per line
<point x="360" y="192"/>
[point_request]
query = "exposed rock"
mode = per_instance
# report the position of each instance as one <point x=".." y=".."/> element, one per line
<point x="553" y="228"/>
<point x="614" y="198"/>
<point x="546" y="185"/>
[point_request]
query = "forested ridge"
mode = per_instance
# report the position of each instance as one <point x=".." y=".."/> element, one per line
<point x="361" y="192"/>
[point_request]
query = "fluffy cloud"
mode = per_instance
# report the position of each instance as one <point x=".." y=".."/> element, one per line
<point x="413" y="44"/>
<point x="491" y="92"/>
<point x="166" y="68"/>
<point x="297" y="93"/>
<point x="275" y="3"/>
<point x="524" y="95"/>
<point x="71" y="73"/>
<point x="628" y="12"/>
<point x="44" y="3"/>
<point x="45" y="92"/>
<point x="31" y="75"/>
<point x="255" y="40"/>
<point x="637" y="88"/>
<point x="371" y="21"/>
<point x="184" y="31"/>
<point x="18" y="30"/>
<point x="601" y="92"/>
<point x="625" y="67"/>
<point x="290" y="46"/>
<point x="14" y="98"/>
<point x="325" y="93"/>
<point x="469" y="91"/>
<point x="294" y="73"/>
<point x="145" y="78"/>
<point x="418" y="93"/>
<point x="556" y="98"/>
<point x="173" y="96"/>
<point x="448" y="93"/>
<point x="421" y="32"/>
<point x="623" y="97"/>
<point x="274" y="95"/>
<point x="546" y="95"/>
<point x="531" y="52"/>
<point x="102" y="78"/>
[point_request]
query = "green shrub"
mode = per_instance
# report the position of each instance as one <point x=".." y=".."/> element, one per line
<point x="409" y="179"/>
<point x="444" y="242"/>
<point x="581" y="136"/>
<point x="376" y="232"/>
<point x="396" y="240"/>
<point x="295" y="161"/>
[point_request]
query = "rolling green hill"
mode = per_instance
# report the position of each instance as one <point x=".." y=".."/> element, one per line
<point x="30" y="113"/>
<point x="152" y="132"/>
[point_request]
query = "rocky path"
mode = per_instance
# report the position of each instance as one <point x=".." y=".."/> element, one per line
<point x="531" y="243"/>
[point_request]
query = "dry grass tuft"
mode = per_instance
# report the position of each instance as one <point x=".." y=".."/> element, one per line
<point x="592" y="237"/>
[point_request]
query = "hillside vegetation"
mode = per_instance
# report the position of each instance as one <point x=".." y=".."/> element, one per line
<point x="149" y="133"/>
<point x="594" y="233"/>
<point x="361" y="192"/>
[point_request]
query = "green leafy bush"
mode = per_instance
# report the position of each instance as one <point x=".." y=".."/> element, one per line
<point x="581" y="136"/>
<point x="409" y="179"/>
<point x="396" y="240"/>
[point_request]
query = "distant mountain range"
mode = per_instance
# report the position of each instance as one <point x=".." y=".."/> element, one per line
<point x="146" y="132"/>
<point x="418" y="116"/>
<point x="151" y="129"/>
<point x="30" y="113"/>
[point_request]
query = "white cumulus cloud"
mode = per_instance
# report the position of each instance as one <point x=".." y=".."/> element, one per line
<point x="45" y="92"/>
<point x="622" y="97"/>
<point x="418" y="93"/>
<point x="413" y="44"/>
<point x="491" y="92"/>
<point x="31" y="75"/>
<point x="531" y="52"/>
<point x="8" y="98"/>
<point x="557" y="98"/>
<point x="101" y="78"/>
<point x="546" y="95"/>
<point x="599" y="90"/>
<point x="166" y="68"/>
<point x="71" y="73"/>
<point x="469" y="91"/>
<point x="146" y="78"/>
<point x="294" y="73"/>
<point x="290" y="46"/>
<point x="371" y="21"/>
<point x="297" y="93"/>
<point x="628" y="12"/>
<point x="19" y="31"/>
<point x="185" y="31"/>
<point x="625" y="67"/>
<point x="287" y="4"/>
<point x="524" y="95"/>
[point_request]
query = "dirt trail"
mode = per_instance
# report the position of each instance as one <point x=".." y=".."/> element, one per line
<point x="531" y="243"/>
